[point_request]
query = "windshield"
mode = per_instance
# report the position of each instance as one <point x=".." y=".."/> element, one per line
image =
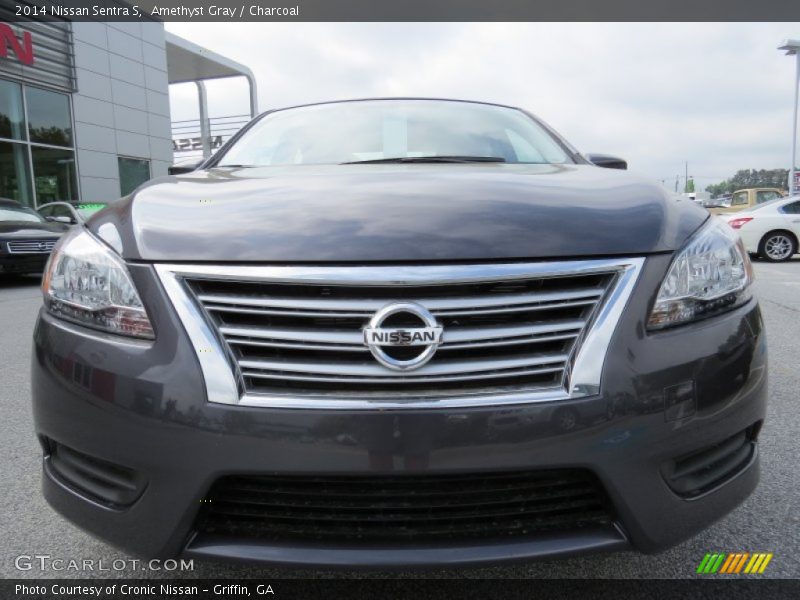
<point x="376" y="130"/>
<point x="8" y="213"/>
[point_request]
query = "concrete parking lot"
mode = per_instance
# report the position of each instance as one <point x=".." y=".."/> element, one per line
<point x="769" y="521"/>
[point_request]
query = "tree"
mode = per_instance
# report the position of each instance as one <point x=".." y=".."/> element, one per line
<point x="749" y="178"/>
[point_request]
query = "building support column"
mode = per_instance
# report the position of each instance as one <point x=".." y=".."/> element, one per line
<point x="205" y="128"/>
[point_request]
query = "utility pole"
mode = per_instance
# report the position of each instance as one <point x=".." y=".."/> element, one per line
<point x="792" y="48"/>
<point x="793" y="173"/>
<point x="686" y="177"/>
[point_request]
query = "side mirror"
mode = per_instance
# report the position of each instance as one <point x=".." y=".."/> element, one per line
<point x="607" y="162"/>
<point x="60" y="219"/>
<point x="186" y="167"/>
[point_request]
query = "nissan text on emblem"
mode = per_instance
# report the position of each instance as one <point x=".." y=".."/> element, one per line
<point x="403" y="336"/>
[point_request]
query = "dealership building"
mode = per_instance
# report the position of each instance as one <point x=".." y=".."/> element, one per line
<point x="85" y="110"/>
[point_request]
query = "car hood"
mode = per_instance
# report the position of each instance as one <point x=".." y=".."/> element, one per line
<point x="397" y="213"/>
<point x="30" y="230"/>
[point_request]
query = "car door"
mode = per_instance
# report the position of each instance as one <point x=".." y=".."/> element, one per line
<point x="791" y="213"/>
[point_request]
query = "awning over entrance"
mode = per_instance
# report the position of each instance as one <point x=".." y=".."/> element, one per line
<point x="188" y="62"/>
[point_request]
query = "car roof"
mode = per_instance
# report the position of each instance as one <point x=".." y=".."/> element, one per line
<point x="398" y="98"/>
<point x="784" y="201"/>
<point x="776" y="203"/>
<point x="10" y="203"/>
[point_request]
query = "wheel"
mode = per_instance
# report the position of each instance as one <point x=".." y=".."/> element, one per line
<point x="777" y="246"/>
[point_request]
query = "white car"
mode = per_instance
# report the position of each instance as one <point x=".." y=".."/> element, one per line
<point x="770" y="230"/>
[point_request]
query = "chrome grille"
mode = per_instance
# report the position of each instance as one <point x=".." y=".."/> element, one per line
<point x="31" y="246"/>
<point x="295" y="333"/>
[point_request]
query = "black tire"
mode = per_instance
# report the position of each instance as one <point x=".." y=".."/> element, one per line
<point x="777" y="246"/>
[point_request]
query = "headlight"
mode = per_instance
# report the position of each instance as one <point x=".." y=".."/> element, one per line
<point x="710" y="275"/>
<point x="85" y="282"/>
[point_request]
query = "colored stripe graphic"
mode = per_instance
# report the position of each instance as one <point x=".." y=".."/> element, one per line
<point x="756" y="563"/>
<point x="752" y="563"/>
<point x="703" y="563"/>
<point x="710" y="563"/>
<point x="764" y="564"/>
<point x="730" y="564"/>
<point x="718" y="564"/>
<point x="742" y="560"/>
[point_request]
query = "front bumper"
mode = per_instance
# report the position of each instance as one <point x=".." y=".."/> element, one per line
<point x="142" y="405"/>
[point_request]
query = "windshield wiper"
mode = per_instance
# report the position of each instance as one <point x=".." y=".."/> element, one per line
<point x="430" y="159"/>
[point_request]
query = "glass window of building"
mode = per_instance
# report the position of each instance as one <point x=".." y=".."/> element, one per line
<point x="133" y="172"/>
<point x="12" y="113"/>
<point x="54" y="174"/>
<point x="37" y="159"/>
<point x="49" y="120"/>
<point x="15" y="176"/>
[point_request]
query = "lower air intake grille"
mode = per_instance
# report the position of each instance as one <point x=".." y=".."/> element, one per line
<point x="106" y="482"/>
<point x="698" y="472"/>
<point x="405" y="508"/>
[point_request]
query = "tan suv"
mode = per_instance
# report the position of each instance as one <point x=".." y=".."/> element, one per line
<point x="742" y="200"/>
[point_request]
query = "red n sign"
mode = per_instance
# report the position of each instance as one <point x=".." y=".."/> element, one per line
<point x="24" y="51"/>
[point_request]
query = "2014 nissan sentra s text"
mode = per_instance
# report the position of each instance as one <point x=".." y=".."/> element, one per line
<point x="398" y="332"/>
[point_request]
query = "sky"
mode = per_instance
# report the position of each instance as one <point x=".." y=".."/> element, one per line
<point x="718" y="95"/>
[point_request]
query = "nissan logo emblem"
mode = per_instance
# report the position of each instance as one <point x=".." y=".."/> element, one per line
<point x="409" y="340"/>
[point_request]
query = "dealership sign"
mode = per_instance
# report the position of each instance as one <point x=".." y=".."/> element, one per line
<point x="23" y="50"/>
<point x="37" y="52"/>
<point x="196" y="143"/>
